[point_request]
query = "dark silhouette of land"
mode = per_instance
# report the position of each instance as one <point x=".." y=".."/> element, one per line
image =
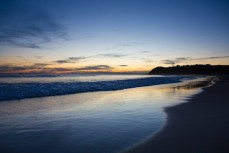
<point x="191" y="70"/>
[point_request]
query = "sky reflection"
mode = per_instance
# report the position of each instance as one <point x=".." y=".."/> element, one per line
<point x="105" y="121"/>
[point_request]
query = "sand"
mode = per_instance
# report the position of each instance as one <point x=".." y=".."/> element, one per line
<point x="199" y="126"/>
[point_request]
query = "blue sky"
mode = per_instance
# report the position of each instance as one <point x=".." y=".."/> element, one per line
<point x="111" y="35"/>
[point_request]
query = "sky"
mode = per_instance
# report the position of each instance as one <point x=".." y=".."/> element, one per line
<point x="134" y="36"/>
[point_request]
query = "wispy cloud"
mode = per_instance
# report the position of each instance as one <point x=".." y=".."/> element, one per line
<point x="77" y="58"/>
<point x="113" y="55"/>
<point x="35" y="68"/>
<point x="42" y="68"/>
<point x="144" y="52"/>
<point x="123" y="65"/>
<point x="39" y="65"/>
<point x="71" y="60"/>
<point x="13" y="68"/>
<point x="172" y="62"/>
<point x="95" y="67"/>
<point x="64" y="61"/>
<point x="213" y="57"/>
<point x="6" y="68"/>
<point x="175" y="61"/>
<point x="29" y="29"/>
<point x="182" y="59"/>
<point x="81" y="58"/>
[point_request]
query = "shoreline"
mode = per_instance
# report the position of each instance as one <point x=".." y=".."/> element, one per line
<point x="198" y="126"/>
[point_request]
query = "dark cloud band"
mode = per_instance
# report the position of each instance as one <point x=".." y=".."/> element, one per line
<point x="182" y="59"/>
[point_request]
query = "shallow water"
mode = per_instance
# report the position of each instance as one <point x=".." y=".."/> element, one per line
<point x="97" y="122"/>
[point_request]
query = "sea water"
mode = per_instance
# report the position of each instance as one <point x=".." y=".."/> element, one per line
<point x="91" y="122"/>
<point x="21" y="87"/>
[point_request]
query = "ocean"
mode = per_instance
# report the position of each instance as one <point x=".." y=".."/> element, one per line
<point x="21" y="87"/>
<point x="86" y="113"/>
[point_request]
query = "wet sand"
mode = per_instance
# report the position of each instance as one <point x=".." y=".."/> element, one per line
<point x="198" y="126"/>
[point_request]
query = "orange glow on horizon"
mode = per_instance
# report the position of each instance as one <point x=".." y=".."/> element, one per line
<point x="106" y="65"/>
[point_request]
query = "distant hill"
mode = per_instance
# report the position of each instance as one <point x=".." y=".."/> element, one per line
<point x="191" y="70"/>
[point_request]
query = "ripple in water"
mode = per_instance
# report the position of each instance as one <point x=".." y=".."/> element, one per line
<point x="98" y="122"/>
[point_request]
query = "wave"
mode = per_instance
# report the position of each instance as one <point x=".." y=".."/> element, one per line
<point x="17" y="91"/>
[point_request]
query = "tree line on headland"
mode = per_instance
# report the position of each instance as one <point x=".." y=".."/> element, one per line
<point x="191" y="70"/>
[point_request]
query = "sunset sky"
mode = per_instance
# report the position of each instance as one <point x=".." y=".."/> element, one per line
<point x="62" y="36"/>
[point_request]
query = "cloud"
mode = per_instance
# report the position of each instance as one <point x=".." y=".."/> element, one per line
<point x="182" y="59"/>
<point x="168" y="62"/>
<point x="175" y="61"/>
<point x="123" y="65"/>
<point x="95" y="67"/>
<point x="6" y="67"/>
<point x="144" y="52"/>
<point x="61" y="69"/>
<point x="29" y="29"/>
<point x="13" y="68"/>
<point x="113" y="55"/>
<point x="77" y="58"/>
<point x="38" y="65"/>
<point x="80" y="58"/>
<point x="71" y="60"/>
<point x="64" y="61"/>
<point x="42" y="68"/>
<point x="34" y="68"/>
<point x="213" y="57"/>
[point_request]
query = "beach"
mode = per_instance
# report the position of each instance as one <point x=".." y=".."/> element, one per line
<point x="198" y="126"/>
<point x="114" y="76"/>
